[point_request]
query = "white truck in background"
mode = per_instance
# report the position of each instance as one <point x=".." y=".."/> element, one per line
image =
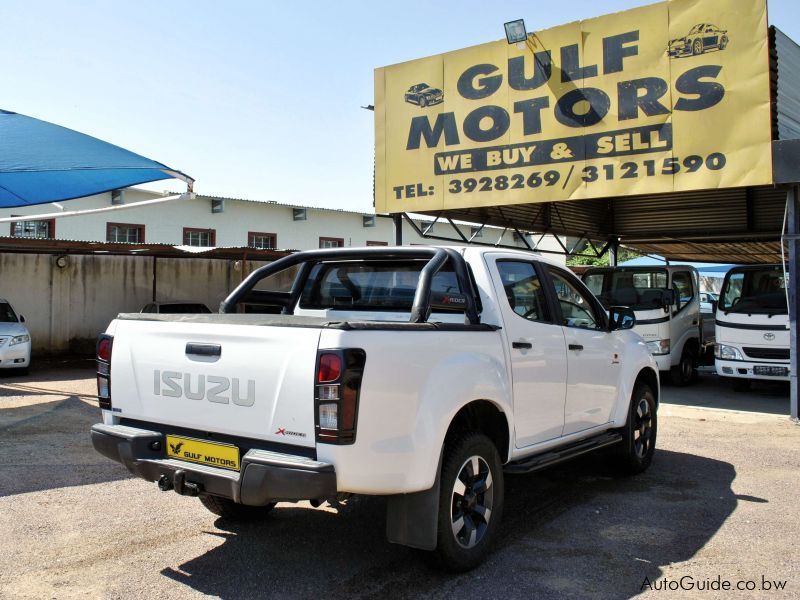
<point x="752" y="326"/>
<point x="420" y="374"/>
<point x="666" y="302"/>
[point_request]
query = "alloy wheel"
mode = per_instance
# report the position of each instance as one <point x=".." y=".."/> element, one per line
<point x="471" y="502"/>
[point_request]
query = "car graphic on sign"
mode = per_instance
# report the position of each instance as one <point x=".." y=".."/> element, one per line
<point x="700" y="39"/>
<point x="424" y="95"/>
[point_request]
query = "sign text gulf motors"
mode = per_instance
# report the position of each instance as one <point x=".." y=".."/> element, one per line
<point x="668" y="97"/>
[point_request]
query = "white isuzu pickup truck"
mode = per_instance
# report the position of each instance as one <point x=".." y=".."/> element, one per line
<point x="421" y="374"/>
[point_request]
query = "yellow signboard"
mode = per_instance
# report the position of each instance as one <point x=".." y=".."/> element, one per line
<point x="669" y="97"/>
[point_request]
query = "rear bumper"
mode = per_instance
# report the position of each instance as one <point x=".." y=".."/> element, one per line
<point x="265" y="476"/>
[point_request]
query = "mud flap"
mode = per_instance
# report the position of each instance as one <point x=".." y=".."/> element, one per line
<point x="413" y="519"/>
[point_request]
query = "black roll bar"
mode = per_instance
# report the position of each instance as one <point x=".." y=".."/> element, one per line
<point x="421" y="307"/>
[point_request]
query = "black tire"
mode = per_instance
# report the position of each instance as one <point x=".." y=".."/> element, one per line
<point x="470" y="504"/>
<point x="423" y="102"/>
<point x="741" y="385"/>
<point x="683" y="373"/>
<point x="723" y="43"/>
<point x="697" y="47"/>
<point x="635" y="453"/>
<point x="228" y="509"/>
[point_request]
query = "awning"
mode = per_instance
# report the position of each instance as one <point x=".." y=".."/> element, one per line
<point x="41" y="162"/>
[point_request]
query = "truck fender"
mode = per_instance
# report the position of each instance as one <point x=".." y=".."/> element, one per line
<point x="627" y="383"/>
<point x="455" y="382"/>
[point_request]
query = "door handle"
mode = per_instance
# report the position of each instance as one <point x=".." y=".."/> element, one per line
<point x="203" y="349"/>
<point x="575" y="347"/>
<point x="522" y="345"/>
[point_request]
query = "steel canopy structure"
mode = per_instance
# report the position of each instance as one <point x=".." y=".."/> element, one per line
<point x="706" y="219"/>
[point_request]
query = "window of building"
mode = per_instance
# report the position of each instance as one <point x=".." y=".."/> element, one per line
<point x="217" y="205"/>
<point x="262" y="241"/>
<point x="199" y="237"/>
<point x="376" y="243"/>
<point x="329" y="242"/>
<point x="117" y="197"/>
<point x="368" y="220"/>
<point x="125" y="232"/>
<point x="42" y="229"/>
<point x="299" y="214"/>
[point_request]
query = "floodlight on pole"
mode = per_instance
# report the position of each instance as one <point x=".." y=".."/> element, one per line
<point x="515" y="31"/>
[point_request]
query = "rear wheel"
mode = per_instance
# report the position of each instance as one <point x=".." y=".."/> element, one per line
<point x="697" y="47"/>
<point x="470" y="502"/>
<point x="639" y="434"/>
<point x="228" y="509"/>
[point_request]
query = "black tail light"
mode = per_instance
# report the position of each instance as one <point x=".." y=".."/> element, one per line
<point x="104" y="346"/>
<point x="337" y="387"/>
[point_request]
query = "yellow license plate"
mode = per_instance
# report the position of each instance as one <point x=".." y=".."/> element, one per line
<point x="213" y="454"/>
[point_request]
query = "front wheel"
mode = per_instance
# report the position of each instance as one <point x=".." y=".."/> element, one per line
<point x="423" y="102"/>
<point x="639" y="434"/>
<point x="470" y="502"/>
<point x="683" y="373"/>
<point x="697" y="47"/>
<point x="228" y="509"/>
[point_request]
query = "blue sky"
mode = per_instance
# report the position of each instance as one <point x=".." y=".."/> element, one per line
<point x="254" y="99"/>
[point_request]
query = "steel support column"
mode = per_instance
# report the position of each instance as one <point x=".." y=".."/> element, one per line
<point x="793" y="229"/>
<point x="613" y="254"/>
<point x="398" y="229"/>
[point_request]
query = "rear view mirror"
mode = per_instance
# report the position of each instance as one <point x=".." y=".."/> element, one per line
<point x="667" y="298"/>
<point x="714" y="304"/>
<point x="21" y="319"/>
<point x="620" y="317"/>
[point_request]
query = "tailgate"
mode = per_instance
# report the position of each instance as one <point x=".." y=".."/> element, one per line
<point x="261" y="385"/>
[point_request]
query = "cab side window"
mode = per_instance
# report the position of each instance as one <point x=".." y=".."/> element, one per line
<point x="524" y="290"/>
<point x="577" y="309"/>
<point x="684" y="290"/>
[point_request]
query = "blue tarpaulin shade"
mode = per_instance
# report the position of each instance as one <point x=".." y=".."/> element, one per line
<point x="41" y="162"/>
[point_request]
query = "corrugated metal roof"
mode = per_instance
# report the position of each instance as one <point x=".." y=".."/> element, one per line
<point x="785" y="67"/>
<point x="40" y="246"/>
<point x="679" y="222"/>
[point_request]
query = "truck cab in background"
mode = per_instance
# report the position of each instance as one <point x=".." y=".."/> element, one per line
<point x="666" y="302"/>
<point x="752" y="326"/>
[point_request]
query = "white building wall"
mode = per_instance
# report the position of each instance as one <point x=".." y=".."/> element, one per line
<point x="164" y="223"/>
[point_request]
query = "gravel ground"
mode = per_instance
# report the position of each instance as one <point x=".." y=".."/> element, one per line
<point x="720" y="500"/>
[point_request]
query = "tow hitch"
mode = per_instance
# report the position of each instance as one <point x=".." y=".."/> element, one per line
<point x="179" y="484"/>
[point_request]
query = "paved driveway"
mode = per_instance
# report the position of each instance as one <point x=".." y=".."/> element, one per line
<point x="720" y="500"/>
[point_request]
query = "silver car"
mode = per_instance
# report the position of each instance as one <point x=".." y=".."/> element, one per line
<point x="15" y="339"/>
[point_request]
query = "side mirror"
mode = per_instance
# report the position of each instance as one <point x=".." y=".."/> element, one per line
<point x="620" y="317"/>
<point x="714" y="304"/>
<point x="667" y="298"/>
<point x="21" y="319"/>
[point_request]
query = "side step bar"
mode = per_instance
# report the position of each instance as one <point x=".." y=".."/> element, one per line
<point x="551" y="457"/>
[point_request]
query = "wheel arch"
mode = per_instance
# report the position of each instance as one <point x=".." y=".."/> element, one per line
<point x="650" y="377"/>
<point x="486" y="417"/>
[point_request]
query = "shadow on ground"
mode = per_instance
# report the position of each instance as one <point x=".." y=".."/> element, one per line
<point x="46" y="445"/>
<point x="571" y="531"/>
<point x="712" y="391"/>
